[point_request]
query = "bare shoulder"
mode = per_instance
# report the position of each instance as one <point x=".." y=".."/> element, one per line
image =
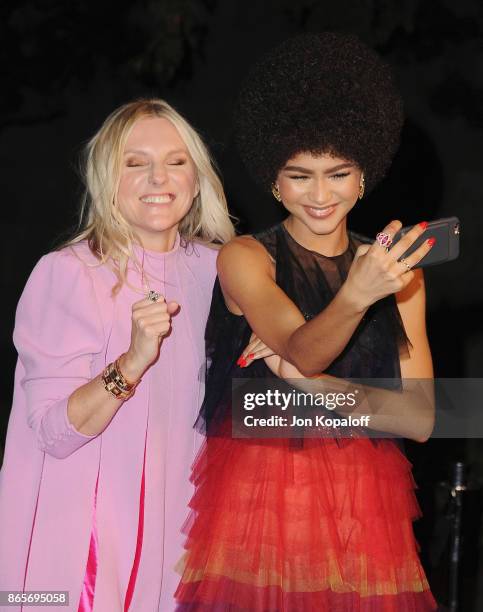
<point x="244" y="270"/>
<point x="243" y="252"/>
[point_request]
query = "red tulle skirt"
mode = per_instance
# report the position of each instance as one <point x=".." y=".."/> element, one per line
<point x="323" y="527"/>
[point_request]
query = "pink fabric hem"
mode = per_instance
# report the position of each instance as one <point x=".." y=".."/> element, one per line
<point x="86" y="602"/>
<point x="139" y="543"/>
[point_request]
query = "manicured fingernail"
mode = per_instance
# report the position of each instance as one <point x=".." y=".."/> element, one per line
<point x="251" y="356"/>
<point x="431" y="241"/>
<point x="242" y="362"/>
<point x="423" y="225"/>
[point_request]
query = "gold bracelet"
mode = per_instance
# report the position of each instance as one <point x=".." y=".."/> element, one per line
<point x="115" y="383"/>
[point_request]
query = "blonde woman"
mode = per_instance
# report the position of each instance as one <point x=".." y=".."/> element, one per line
<point x="109" y="332"/>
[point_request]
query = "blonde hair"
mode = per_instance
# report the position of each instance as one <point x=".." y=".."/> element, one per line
<point x="101" y="223"/>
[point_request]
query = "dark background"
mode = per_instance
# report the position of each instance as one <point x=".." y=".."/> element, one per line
<point x="66" y="65"/>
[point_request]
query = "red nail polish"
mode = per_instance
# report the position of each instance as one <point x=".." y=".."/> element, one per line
<point x="242" y="362"/>
<point x="423" y="225"/>
<point x="431" y="241"/>
<point x="251" y="355"/>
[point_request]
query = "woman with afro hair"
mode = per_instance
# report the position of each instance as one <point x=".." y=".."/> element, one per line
<point x="313" y="523"/>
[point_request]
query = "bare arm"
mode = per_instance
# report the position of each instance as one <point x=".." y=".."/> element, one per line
<point x="247" y="279"/>
<point x="410" y="413"/>
<point x="412" y="306"/>
<point x="58" y="334"/>
<point x="90" y="408"/>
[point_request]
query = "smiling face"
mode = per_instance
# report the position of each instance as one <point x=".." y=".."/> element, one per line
<point x="318" y="191"/>
<point x="158" y="182"/>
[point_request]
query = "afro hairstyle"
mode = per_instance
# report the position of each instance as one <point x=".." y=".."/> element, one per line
<point x="325" y="93"/>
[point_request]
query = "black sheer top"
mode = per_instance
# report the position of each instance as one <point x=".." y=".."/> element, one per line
<point x="310" y="280"/>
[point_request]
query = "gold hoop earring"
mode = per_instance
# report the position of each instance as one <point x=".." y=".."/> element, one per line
<point x="362" y="187"/>
<point x="276" y="193"/>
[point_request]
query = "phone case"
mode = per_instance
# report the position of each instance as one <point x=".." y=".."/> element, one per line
<point x="447" y="245"/>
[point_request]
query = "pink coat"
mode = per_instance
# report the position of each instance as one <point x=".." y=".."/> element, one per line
<point x="68" y="327"/>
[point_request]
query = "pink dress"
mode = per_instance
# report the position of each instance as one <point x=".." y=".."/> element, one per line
<point x="56" y="484"/>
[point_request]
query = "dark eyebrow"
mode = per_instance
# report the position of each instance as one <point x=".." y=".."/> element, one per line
<point x="328" y="171"/>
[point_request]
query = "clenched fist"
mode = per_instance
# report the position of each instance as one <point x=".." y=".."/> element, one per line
<point x="151" y="321"/>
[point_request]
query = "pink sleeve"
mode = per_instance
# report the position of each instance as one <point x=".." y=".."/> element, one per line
<point x="58" y="330"/>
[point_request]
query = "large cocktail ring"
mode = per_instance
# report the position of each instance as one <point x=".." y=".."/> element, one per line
<point x="384" y="240"/>
<point x="154" y="296"/>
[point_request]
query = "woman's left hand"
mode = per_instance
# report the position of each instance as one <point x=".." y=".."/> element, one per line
<point x="255" y="349"/>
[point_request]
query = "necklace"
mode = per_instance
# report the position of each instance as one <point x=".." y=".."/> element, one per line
<point x="151" y="294"/>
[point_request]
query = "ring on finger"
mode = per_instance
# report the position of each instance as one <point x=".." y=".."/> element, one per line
<point x="384" y="240"/>
<point x="403" y="260"/>
<point x="153" y="296"/>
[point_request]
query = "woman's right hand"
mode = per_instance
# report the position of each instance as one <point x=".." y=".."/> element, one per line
<point x="151" y="321"/>
<point x="375" y="273"/>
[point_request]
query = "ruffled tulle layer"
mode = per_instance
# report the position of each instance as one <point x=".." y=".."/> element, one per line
<point x="324" y="527"/>
<point x="223" y="596"/>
